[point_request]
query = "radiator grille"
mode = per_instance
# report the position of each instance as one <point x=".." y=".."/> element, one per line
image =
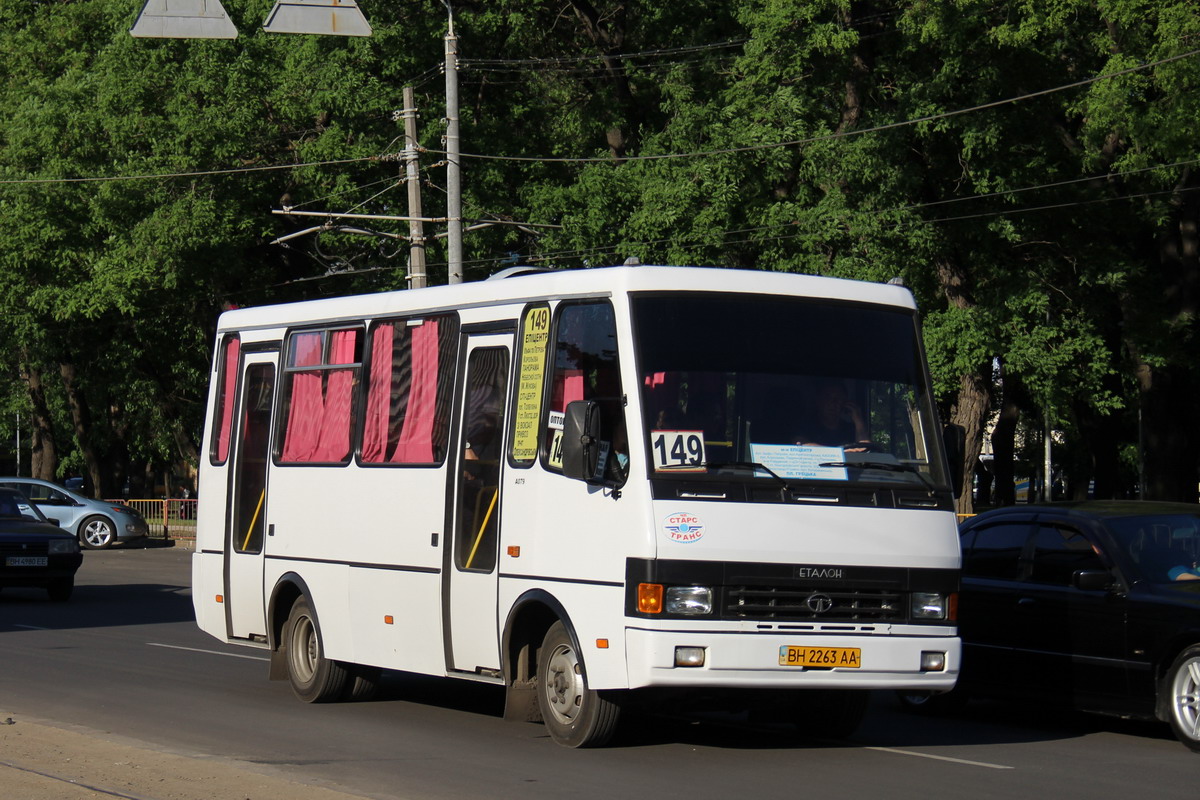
<point x="814" y="604"/>
<point x="29" y="549"/>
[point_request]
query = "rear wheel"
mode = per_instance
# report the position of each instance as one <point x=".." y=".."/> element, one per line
<point x="1182" y="687"/>
<point x="314" y="678"/>
<point x="575" y="715"/>
<point x="97" y="533"/>
<point x="363" y="682"/>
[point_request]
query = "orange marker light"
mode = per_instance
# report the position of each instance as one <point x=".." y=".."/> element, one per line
<point x="220" y="598"/>
<point x="952" y="608"/>
<point x="388" y="619"/>
<point x="650" y="598"/>
<point x="602" y="644"/>
<point x="514" y="550"/>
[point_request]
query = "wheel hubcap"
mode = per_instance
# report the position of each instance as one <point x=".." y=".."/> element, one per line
<point x="304" y="649"/>
<point x="1185" y="694"/>
<point x="564" y="684"/>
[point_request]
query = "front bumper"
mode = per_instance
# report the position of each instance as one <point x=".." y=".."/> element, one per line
<point x="751" y="660"/>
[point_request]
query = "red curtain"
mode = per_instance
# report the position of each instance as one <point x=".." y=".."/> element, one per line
<point x="333" y="442"/>
<point x="375" y="430"/>
<point x="229" y="385"/>
<point x="416" y="437"/>
<point x="318" y="427"/>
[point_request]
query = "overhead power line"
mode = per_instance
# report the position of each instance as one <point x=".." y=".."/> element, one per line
<point x="836" y="134"/>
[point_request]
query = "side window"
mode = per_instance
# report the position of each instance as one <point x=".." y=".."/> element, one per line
<point x="1059" y="552"/>
<point x="35" y="492"/>
<point x="226" y="377"/>
<point x="320" y="373"/>
<point x="409" y="382"/>
<point x="996" y="551"/>
<point x="586" y="368"/>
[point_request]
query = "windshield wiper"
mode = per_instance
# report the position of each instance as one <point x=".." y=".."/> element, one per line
<point x="887" y="466"/>
<point x="784" y="486"/>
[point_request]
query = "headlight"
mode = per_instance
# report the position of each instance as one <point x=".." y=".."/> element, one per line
<point x="928" y="605"/>
<point x="695" y="600"/>
<point x="60" y="546"/>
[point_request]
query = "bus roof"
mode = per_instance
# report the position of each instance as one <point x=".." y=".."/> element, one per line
<point x="533" y="285"/>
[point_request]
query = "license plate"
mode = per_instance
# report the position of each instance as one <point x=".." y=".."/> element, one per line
<point x="828" y="657"/>
<point x="25" y="561"/>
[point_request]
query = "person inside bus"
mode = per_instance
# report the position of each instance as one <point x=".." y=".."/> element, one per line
<point x="835" y="421"/>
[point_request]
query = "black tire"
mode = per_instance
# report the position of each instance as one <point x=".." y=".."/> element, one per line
<point x="574" y="715"/>
<point x="314" y="678"/>
<point x="1181" y="697"/>
<point x="829" y="713"/>
<point x="60" y="589"/>
<point x="363" y="683"/>
<point x="97" y="533"/>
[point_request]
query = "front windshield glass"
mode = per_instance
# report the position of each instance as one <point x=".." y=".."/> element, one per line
<point x="1162" y="547"/>
<point x="795" y="388"/>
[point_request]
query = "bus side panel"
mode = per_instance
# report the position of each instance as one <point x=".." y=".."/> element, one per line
<point x="207" y="586"/>
<point x="381" y="528"/>
<point x="578" y="536"/>
<point x="396" y="622"/>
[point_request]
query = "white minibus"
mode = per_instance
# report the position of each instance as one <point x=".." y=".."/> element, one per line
<point x="591" y="487"/>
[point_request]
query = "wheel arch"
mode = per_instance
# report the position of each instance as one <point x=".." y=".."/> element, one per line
<point x="288" y="589"/>
<point x="531" y="616"/>
<point x="1162" y="668"/>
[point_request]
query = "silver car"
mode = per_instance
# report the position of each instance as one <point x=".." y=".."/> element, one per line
<point x="97" y="523"/>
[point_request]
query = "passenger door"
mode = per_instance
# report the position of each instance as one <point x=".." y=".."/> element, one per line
<point x="1075" y="638"/>
<point x="472" y="622"/>
<point x="990" y="621"/>
<point x="245" y="609"/>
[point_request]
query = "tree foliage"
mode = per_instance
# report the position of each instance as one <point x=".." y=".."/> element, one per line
<point x="1028" y="169"/>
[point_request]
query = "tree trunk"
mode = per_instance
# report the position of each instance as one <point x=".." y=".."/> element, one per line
<point x="43" y="459"/>
<point x="972" y="405"/>
<point x="81" y="420"/>
<point x="1004" y="439"/>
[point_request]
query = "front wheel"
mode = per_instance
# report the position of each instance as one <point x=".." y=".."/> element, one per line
<point x="575" y="715"/>
<point x="314" y="678"/>
<point x="97" y="533"/>
<point x="1182" y="687"/>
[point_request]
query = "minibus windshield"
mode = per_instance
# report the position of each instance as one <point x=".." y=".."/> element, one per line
<point x="784" y="389"/>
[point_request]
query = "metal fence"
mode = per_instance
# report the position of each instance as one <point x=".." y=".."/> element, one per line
<point x="167" y="518"/>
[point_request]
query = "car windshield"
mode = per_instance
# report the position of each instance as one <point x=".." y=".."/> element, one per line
<point x="789" y="389"/>
<point x="1162" y="547"/>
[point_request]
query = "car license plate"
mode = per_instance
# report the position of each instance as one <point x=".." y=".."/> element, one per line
<point x="25" y="561"/>
<point x="828" y="657"/>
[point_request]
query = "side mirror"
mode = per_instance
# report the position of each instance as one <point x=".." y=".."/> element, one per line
<point x="1092" y="580"/>
<point x="955" y="437"/>
<point x="581" y="440"/>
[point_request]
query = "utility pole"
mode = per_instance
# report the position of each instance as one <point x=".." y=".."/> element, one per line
<point x="416" y="229"/>
<point x="453" y="165"/>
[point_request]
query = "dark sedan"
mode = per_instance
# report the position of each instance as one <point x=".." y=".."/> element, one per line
<point x="34" y="551"/>
<point x="1088" y="604"/>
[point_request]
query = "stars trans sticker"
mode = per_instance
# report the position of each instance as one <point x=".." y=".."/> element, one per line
<point x="683" y="528"/>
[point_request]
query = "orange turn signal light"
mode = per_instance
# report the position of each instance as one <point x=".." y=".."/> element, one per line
<point x="650" y="598"/>
<point x="952" y="607"/>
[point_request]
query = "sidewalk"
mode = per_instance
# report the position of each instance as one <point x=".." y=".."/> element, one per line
<point x="40" y="761"/>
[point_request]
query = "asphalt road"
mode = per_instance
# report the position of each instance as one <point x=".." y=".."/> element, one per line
<point x="124" y="657"/>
